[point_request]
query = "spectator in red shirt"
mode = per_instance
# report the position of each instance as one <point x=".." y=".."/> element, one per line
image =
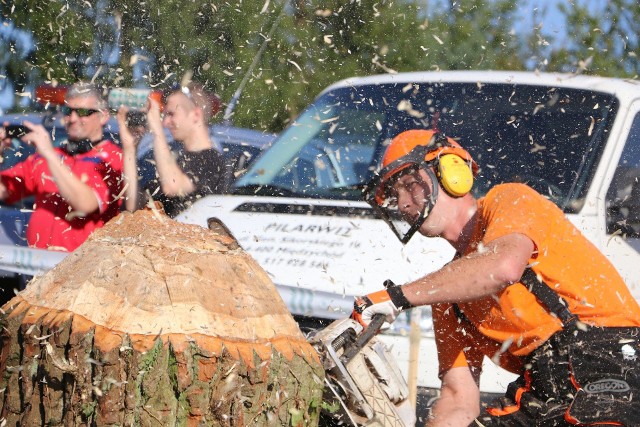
<point x="76" y="186"/>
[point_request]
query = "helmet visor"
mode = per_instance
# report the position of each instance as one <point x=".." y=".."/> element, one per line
<point x="402" y="197"/>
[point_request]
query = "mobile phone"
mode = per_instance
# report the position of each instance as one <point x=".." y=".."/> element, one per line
<point x="16" y="131"/>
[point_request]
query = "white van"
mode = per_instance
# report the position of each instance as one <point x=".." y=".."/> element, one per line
<point x="299" y="211"/>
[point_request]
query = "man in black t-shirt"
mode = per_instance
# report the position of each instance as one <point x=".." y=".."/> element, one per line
<point x="194" y="172"/>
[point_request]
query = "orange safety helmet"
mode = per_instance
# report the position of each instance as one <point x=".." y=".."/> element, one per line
<point x="437" y="146"/>
<point x="442" y="158"/>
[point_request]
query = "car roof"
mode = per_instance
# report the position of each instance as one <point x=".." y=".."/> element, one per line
<point x="222" y="135"/>
<point x="241" y="136"/>
<point x="622" y="88"/>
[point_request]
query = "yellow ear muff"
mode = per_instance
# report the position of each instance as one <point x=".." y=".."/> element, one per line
<point x="455" y="175"/>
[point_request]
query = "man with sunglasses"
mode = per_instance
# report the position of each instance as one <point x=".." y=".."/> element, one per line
<point x="526" y="289"/>
<point x="77" y="185"/>
<point x="195" y="171"/>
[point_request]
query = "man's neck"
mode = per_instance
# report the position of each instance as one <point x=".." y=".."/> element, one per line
<point x="198" y="140"/>
<point x="466" y="218"/>
<point x="75" y="147"/>
<point x="92" y="140"/>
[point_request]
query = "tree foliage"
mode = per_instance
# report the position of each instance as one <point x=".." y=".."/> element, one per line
<point x="63" y="33"/>
<point x="603" y="41"/>
<point x="285" y="51"/>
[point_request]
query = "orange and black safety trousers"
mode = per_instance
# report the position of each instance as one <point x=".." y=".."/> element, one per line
<point x="582" y="375"/>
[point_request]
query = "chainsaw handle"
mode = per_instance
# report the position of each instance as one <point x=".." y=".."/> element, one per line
<point x="363" y="338"/>
<point x="369" y="332"/>
<point x="376" y="323"/>
<point x="374" y="326"/>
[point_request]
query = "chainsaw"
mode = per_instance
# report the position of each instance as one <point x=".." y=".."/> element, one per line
<point x="363" y="385"/>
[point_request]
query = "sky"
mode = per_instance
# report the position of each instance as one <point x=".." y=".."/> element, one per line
<point x="550" y="19"/>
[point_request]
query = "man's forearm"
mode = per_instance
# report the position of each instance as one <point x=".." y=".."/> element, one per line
<point x="130" y="174"/>
<point x="173" y="181"/>
<point x="475" y="276"/>
<point x="4" y="193"/>
<point x="459" y="401"/>
<point x="79" y="195"/>
<point x="460" y="281"/>
<point x="447" y="413"/>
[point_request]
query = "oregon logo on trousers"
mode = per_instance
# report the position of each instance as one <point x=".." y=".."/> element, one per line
<point x="609" y="385"/>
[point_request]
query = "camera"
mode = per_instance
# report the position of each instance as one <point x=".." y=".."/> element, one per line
<point x="16" y="131"/>
<point x="136" y="118"/>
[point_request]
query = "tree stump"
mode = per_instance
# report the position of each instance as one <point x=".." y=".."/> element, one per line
<point x="154" y="322"/>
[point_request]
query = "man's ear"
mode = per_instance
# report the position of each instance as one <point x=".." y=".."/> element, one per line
<point x="104" y="117"/>
<point x="198" y="114"/>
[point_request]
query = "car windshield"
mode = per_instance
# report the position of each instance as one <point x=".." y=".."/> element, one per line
<point x="547" y="137"/>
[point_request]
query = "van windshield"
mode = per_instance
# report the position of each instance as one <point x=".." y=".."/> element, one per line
<point x="547" y="137"/>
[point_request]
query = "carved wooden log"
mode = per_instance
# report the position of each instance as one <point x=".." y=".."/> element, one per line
<point x="153" y="322"/>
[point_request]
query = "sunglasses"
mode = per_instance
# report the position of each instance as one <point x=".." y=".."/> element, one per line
<point x="81" y="112"/>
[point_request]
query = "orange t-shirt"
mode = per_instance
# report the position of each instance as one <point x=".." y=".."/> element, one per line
<point x="512" y="323"/>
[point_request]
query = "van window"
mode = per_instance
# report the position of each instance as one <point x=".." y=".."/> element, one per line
<point x="547" y="137"/>
<point x="623" y="196"/>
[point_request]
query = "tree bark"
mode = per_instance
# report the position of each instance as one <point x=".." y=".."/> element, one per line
<point x="153" y="322"/>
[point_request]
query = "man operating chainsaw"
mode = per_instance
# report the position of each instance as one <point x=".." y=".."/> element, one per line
<point x="525" y="288"/>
